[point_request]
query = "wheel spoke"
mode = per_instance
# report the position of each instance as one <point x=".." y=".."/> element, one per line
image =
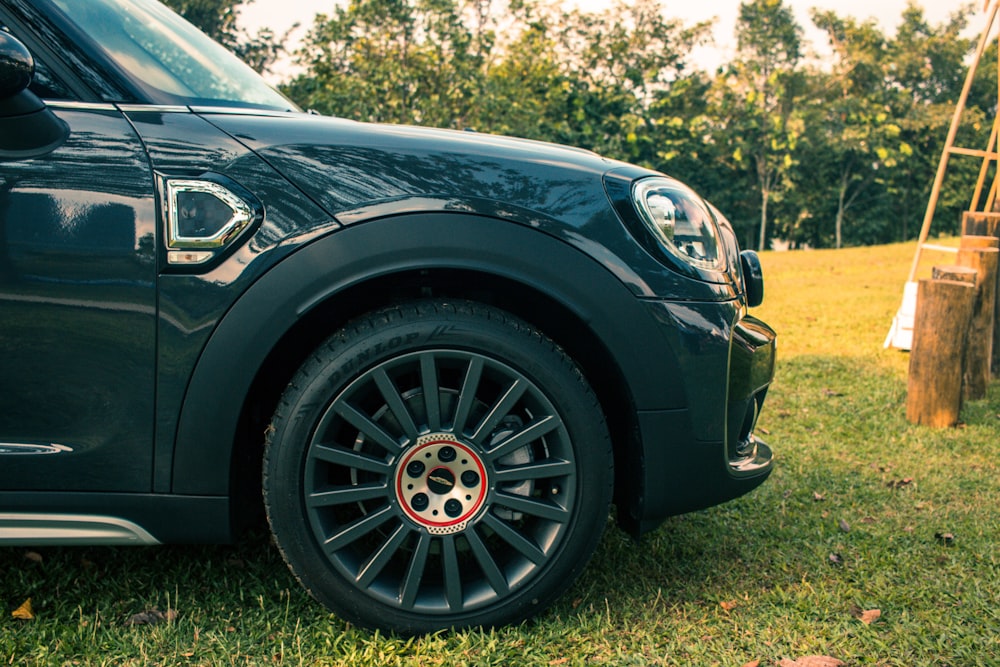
<point x="347" y="494"/>
<point x="452" y="573"/>
<point x="489" y="566"/>
<point x="432" y="399"/>
<point x="395" y="402"/>
<point x="415" y="572"/>
<point x="500" y="410"/>
<point x="370" y="570"/>
<point x="523" y="545"/>
<point x="468" y="395"/>
<point x="367" y="427"/>
<point x="534" y="430"/>
<point x="349" y="458"/>
<point x="532" y="506"/>
<point x="358" y="529"/>
<point x="538" y="470"/>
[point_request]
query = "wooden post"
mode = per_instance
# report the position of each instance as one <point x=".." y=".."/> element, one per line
<point x="979" y="346"/>
<point x="980" y="223"/>
<point x="934" y="388"/>
<point x="977" y="225"/>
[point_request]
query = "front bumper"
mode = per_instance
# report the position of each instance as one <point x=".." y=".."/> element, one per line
<point x="705" y="453"/>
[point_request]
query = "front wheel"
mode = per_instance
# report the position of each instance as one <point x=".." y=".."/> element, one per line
<point x="437" y="465"/>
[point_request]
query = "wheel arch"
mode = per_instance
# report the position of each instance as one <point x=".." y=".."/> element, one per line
<point x="257" y="347"/>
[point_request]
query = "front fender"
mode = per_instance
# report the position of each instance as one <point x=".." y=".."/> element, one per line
<point x="271" y="307"/>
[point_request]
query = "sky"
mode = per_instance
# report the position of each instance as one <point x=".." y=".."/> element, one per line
<point x="280" y="15"/>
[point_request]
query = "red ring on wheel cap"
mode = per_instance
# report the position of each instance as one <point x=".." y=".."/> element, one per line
<point x="440" y="482"/>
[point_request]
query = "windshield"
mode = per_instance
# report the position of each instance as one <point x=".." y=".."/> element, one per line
<point x="166" y="56"/>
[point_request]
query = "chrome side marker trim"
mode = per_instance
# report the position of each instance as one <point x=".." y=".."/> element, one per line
<point x="70" y="529"/>
<point x="19" y="448"/>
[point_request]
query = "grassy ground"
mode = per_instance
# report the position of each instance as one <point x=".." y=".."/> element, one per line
<point x="864" y="512"/>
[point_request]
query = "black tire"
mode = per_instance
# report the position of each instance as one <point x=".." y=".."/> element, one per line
<point x="437" y="465"/>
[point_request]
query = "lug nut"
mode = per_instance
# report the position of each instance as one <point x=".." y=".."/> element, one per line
<point x="453" y="508"/>
<point x="470" y="479"/>
<point x="420" y="502"/>
<point x="447" y="454"/>
<point x="415" y="469"/>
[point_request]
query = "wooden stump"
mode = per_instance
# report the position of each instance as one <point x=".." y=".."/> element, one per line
<point x="979" y="346"/>
<point x="934" y="387"/>
<point x="980" y="224"/>
<point x="969" y="241"/>
<point x="958" y="274"/>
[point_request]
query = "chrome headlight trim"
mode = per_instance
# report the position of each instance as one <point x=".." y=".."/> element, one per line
<point x="680" y="221"/>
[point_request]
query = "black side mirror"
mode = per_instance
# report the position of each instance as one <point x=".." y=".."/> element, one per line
<point x="753" y="278"/>
<point x="27" y="128"/>
<point x="16" y="66"/>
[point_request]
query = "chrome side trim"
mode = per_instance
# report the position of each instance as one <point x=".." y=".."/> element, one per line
<point x="70" y="529"/>
<point x="70" y="105"/>
<point x="158" y="108"/>
<point x="246" y="111"/>
<point x="21" y="448"/>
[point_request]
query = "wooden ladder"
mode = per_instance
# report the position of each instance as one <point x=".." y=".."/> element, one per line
<point x="989" y="155"/>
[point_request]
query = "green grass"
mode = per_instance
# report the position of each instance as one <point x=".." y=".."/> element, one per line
<point x="749" y="580"/>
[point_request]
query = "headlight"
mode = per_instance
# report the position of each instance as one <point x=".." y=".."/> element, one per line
<point x="680" y="221"/>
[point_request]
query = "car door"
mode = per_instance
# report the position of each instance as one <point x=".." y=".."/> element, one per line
<point x="77" y="304"/>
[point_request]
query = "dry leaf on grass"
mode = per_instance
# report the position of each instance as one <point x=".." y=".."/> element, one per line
<point x="899" y="483"/>
<point x="811" y="661"/>
<point x="33" y="556"/>
<point x="869" y="616"/>
<point x="752" y="663"/>
<point x="866" y="616"/>
<point x="835" y="559"/>
<point x="24" y="612"/>
<point x="817" y="497"/>
<point x="844" y="526"/>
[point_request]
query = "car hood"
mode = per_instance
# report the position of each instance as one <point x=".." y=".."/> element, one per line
<point x="358" y="171"/>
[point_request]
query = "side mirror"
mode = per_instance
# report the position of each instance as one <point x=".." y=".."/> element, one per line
<point x="753" y="278"/>
<point x="16" y="69"/>
<point x="27" y="128"/>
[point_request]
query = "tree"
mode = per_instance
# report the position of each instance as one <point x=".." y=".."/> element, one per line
<point x="850" y="122"/>
<point x="755" y="98"/>
<point x="400" y="61"/>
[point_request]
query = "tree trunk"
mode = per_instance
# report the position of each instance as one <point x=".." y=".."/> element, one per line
<point x="764" y="196"/>
<point x="934" y="388"/>
<point x="841" y="205"/>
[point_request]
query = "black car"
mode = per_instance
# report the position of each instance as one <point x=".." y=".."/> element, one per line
<point x="432" y="358"/>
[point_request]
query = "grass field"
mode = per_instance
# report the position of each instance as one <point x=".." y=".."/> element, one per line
<point x="864" y="512"/>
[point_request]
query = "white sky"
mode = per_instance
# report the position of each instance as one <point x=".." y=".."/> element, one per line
<point x="279" y="15"/>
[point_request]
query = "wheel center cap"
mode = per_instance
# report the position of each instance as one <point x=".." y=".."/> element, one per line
<point x="441" y="483"/>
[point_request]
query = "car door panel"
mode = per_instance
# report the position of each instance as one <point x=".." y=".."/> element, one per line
<point x="78" y="310"/>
